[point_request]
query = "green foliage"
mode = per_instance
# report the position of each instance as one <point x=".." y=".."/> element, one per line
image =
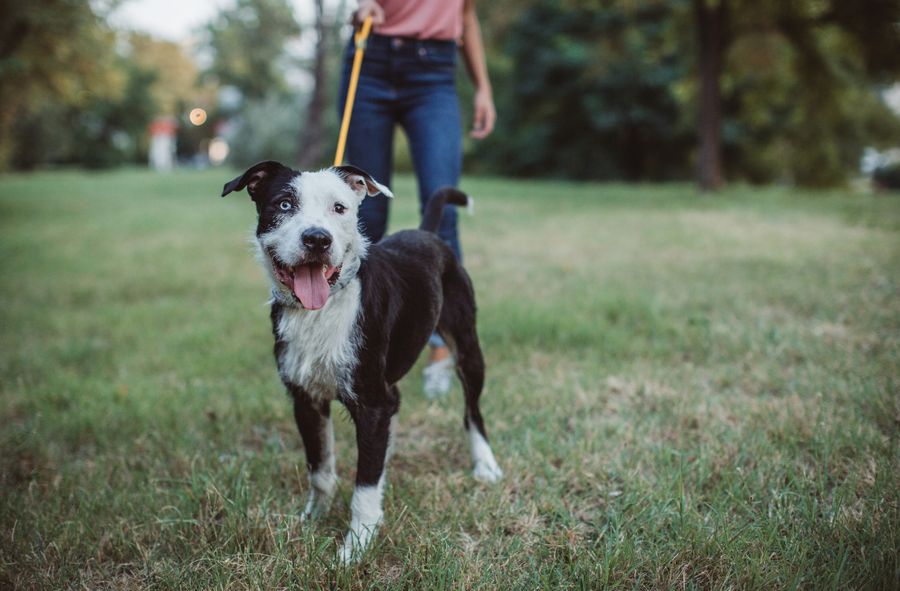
<point x="591" y="94"/>
<point x="800" y="89"/>
<point x="265" y="129"/>
<point x="871" y="25"/>
<point x="54" y="54"/>
<point x="603" y="88"/>
<point x="247" y="43"/>
<point x="73" y="91"/>
<point x="177" y="87"/>
<point x="684" y="393"/>
<point x="114" y="132"/>
<point x="103" y="132"/>
<point x="97" y="133"/>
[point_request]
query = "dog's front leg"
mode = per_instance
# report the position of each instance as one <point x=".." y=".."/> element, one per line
<point x="373" y="442"/>
<point x="314" y="423"/>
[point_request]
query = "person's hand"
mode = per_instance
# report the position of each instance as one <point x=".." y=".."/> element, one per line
<point x="368" y="8"/>
<point x="485" y="114"/>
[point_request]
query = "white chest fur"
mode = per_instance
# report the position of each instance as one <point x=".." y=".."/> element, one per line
<point x="321" y="346"/>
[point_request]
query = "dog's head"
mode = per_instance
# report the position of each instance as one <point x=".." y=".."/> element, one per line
<point x="307" y="231"/>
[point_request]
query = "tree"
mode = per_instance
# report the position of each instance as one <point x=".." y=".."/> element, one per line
<point x="53" y="53"/>
<point x="247" y="44"/>
<point x="776" y="90"/>
<point x="177" y="75"/>
<point x="112" y="131"/>
<point x="591" y="93"/>
<point x="314" y="135"/>
<point x="711" y="18"/>
<point x="837" y="49"/>
<point x="96" y="132"/>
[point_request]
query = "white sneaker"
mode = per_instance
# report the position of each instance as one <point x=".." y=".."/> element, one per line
<point x="436" y="378"/>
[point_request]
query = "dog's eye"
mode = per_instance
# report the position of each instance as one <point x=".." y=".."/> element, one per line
<point x="285" y="205"/>
<point x="339" y="208"/>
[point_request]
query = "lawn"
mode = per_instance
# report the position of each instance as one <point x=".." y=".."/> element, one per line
<point x="683" y="391"/>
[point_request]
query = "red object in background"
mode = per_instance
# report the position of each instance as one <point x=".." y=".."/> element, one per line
<point x="164" y="126"/>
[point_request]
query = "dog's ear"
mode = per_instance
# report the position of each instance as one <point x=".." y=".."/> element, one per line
<point x="256" y="179"/>
<point x="361" y="181"/>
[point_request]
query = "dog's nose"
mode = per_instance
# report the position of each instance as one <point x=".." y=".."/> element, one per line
<point x="316" y="239"/>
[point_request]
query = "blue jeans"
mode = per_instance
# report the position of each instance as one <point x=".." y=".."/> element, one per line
<point x="412" y="83"/>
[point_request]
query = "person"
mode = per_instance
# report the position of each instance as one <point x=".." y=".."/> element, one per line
<point x="408" y="79"/>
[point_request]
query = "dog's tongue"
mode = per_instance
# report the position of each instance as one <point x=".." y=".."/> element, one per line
<point x="310" y="286"/>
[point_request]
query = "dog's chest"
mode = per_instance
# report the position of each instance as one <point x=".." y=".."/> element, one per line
<point x="320" y="347"/>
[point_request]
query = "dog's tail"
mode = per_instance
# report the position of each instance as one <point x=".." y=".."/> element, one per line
<point x="431" y="219"/>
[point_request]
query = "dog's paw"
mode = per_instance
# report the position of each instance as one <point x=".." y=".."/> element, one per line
<point x="317" y="505"/>
<point x="347" y="556"/>
<point x="357" y="541"/>
<point x="486" y="468"/>
<point x="487" y="472"/>
<point x="323" y="485"/>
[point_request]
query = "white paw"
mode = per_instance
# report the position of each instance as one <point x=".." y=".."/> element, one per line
<point x="486" y="468"/>
<point x="358" y="539"/>
<point x="349" y="554"/>
<point x="487" y="472"/>
<point x="346" y="556"/>
<point x="317" y="505"/>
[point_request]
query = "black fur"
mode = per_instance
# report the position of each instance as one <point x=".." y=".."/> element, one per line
<point x="264" y="181"/>
<point x="434" y="209"/>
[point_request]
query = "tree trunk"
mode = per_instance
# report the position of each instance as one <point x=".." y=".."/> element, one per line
<point x="711" y="19"/>
<point x="312" y="136"/>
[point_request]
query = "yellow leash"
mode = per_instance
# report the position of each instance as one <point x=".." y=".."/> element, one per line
<point x="360" y="39"/>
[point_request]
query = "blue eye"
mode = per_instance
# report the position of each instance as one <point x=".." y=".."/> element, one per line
<point x="285" y="205"/>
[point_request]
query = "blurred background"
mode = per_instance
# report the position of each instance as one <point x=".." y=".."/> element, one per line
<point x="796" y="92"/>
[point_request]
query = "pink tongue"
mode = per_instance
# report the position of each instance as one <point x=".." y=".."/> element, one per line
<point x="310" y="286"/>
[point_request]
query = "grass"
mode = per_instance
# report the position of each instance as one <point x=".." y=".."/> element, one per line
<point x="684" y="392"/>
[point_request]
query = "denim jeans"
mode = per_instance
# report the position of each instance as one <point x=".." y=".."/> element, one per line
<point x="412" y="83"/>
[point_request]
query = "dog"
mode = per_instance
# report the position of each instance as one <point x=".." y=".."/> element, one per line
<point x="350" y="319"/>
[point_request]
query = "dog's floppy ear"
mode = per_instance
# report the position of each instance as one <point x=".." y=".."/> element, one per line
<point x="361" y="181"/>
<point x="256" y="179"/>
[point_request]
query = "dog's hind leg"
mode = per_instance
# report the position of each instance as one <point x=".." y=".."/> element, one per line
<point x="470" y="368"/>
<point x="314" y="423"/>
<point x="457" y="326"/>
<point x="373" y="442"/>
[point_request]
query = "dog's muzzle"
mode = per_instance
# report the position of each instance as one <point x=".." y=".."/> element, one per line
<point x="311" y="280"/>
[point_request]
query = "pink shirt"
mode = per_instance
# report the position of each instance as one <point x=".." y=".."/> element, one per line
<point x="422" y="19"/>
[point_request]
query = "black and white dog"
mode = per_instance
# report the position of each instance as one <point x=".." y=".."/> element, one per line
<point x="350" y="320"/>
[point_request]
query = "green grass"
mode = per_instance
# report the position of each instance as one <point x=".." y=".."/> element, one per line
<point x="684" y="392"/>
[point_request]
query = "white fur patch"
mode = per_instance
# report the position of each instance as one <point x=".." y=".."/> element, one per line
<point x="321" y="351"/>
<point x="322" y="482"/>
<point x="365" y="185"/>
<point x="486" y="467"/>
<point x="367" y="514"/>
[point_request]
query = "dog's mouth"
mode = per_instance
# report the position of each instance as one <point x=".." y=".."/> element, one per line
<point x="310" y="283"/>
